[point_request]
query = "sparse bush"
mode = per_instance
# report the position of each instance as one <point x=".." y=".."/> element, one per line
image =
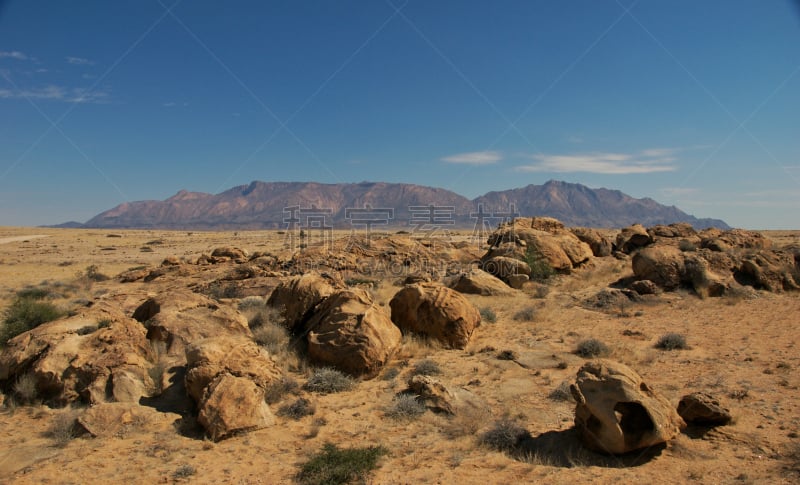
<point x="405" y="406"/>
<point x="541" y="292"/>
<point x="505" y="435"/>
<point x="672" y="341"/>
<point x="184" y="471"/>
<point x="25" y="314"/>
<point x="64" y="428"/>
<point x="334" y="465"/>
<point x="326" y="380"/>
<point x="25" y="388"/>
<point x="358" y="281"/>
<point x="272" y="337"/>
<point x="33" y="294"/>
<point x="507" y="355"/>
<point x="104" y="323"/>
<point x="686" y="245"/>
<point x="300" y="408"/>
<point x="561" y="393"/>
<point x="252" y="303"/>
<point x="93" y="274"/>
<point x="540" y="266"/>
<point x="592" y="348"/>
<point x="276" y="390"/>
<point x="526" y="314"/>
<point x="390" y="373"/>
<point x="488" y="315"/>
<point x="426" y="367"/>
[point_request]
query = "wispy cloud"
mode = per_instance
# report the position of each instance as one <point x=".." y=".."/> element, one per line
<point x="79" y="61"/>
<point x="56" y="93"/>
<point x="673" y="192"/>
<point x="474" y="158"/>
<point x="14" y="55"/>
<point x="647" y="161"/>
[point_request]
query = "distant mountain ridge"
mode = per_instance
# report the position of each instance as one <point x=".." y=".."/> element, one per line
<point x="263" y="205"/>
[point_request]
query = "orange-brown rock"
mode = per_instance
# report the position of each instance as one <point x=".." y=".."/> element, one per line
<point x="232" y="405"/>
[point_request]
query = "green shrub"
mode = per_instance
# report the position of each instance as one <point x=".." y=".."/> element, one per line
<point x="334" y="465"/>
<point x="93" y="273"/>
<point x="276" y="390"/>
<point x="272" y="337"/>
<point x="561" y="393"/>
<point x="540" y="266"/>
<point x="592" y="348"/>
<point x="25" y="314"/>
<point x="25" y="388"/>
<point x="33" y="294"/>
<point x="326" y="380"/>
<point x="405" y="406"/>
<point x="672" y="341"/>
<point x="488" y="315"/>
<point x="64" y="427"/>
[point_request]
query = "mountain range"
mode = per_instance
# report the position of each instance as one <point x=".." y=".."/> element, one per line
<point x="266" y="205"/>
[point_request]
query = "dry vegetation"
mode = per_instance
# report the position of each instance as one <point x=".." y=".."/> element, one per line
<point x="743" y="350"/>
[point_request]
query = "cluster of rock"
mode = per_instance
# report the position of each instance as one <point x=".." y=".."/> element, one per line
<point x="712" y="262"/>
<point x="345" y="329"/>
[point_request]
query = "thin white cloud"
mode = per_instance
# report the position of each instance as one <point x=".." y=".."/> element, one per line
<point x="603" y="163"/>
<point x="474" y="158"/>
<point x="14" y="55"/>
<point x="673" y="192"/>
<point x="659" y="152"/>
<point x="79" y="61"/>
<point x="170" y="104"/>
<point x="56" y="93"/>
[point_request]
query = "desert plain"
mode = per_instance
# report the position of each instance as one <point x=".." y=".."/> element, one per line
<point x="742" y="349"/>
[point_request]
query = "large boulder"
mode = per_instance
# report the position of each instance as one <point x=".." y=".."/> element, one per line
<point x="105" y="420"/>
<point x="502" y="267"/>
<point x="233" y="405"/>
<point x="437" y="312"/>
<point x="600" y="245"/>
<point x="349" y="332"/>
<point x="298" y="296"/>
<point x="95" y="356"/>
<point x="479" y="282"/>
<point x="617" y="412"/>
<point x="240" y="357"/>
<point x="632" y="238"/>
<point x="663" y="265"/>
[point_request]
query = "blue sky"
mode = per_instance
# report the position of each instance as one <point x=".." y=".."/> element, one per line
<point x="692" y="103"/>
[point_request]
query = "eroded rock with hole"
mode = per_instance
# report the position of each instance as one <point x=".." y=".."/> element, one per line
<point x="233" y="405"/>
<point x="632" y="238"/>
<point x="617" y="412"/>
<point x="435" y="311"/>
<point x="352" y="334"/>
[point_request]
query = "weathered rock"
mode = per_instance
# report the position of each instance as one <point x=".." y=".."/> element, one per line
<point x="702" y="409"/>
<point x="350" y="333"/>
<point x="440" y="398"/>
<point x="600" y="245"/>
<point x="437" y="312"/>
<point x="698" y="273"/>
<point x="233" y="405"/>
<point x="299" y="296"/>
<point x="736" y="238"/>
<point x="502" y="267"/>
<point x="644" y="287"/>
<point x="240" y="357"/>
<point x="616" y="412"/>
<point x="663" y="265"/>
<point x="237" y="254"/>
<point x="517" y="281"/>
<point x="75" y="359"/>
<point x="768" y="270"/>
<point x="479" y="282"/>
<point x="171" y="261"/>
<point x="632" y="238"/>
<point x="109" y="419"/>
<point x="676" y="230"/>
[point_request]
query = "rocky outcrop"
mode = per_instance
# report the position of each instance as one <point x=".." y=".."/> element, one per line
<point x="632" y="238"/>
<point x="95" y="356"/>
<point x="437" y="312"/>
<point x="600" y="245"/>
<point x="105" y="420"/>
<point x="352" y="334"/>
<point x="617" y="412"/>
<point x="663" y="265"/>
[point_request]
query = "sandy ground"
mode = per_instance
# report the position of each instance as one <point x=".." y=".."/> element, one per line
<point x="744" y="351"/>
